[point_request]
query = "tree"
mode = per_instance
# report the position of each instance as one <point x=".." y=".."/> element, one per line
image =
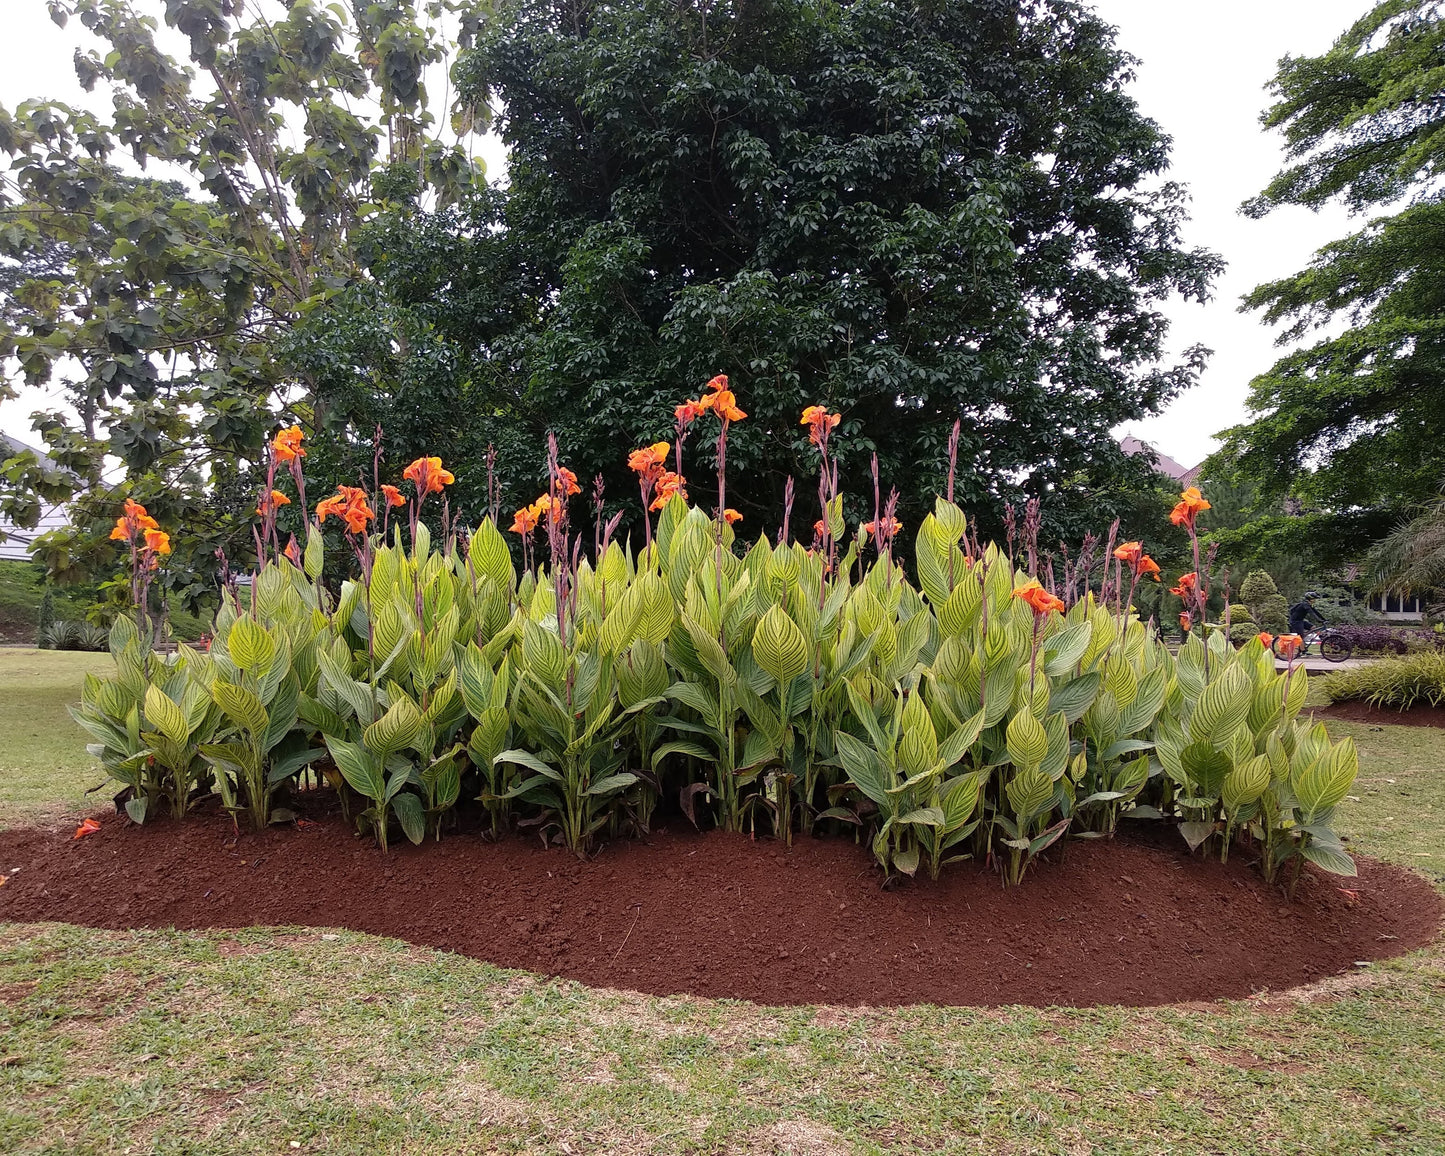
<point x="293" y="129"/>
<point x="908" y="213"/>
<point x="1354" y="425"/>
<point x="1411" y="558"/>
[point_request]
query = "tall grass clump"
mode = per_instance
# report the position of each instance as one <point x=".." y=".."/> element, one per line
<point x="1401" y="682"/>
<point x="976" y="708"/>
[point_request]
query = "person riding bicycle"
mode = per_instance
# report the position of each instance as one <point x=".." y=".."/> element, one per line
<point x="1301" y="613"/>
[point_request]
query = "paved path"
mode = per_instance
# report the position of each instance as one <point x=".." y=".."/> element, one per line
<point x="1322" y="665"/>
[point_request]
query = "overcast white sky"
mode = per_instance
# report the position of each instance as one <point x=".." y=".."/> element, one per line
<point x="1202" y="74"/>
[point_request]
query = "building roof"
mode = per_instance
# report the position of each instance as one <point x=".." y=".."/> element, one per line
<point x="16" y="544"/>
<point x="1184" y="475"/>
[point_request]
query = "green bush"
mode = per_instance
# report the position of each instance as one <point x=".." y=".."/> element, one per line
<point x="1242" y="632"/>
<point x="1271" y="613"/>
<point x="1412" y="680"/>
<point x="1239" y="612"/>
<point x="1267" y="606"/>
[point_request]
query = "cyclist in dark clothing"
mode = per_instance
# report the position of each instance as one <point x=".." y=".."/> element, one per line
<point x="1302" y="612"/>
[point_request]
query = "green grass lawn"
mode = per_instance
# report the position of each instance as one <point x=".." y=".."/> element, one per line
<point x="282" y="1040"/>
<point x="43" y="765"/>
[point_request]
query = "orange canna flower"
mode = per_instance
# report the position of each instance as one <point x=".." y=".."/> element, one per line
<point x="718" y="384"/>
<point x="567" y="482"/>
<point x="688" y="412"/>
<point x="1147" y="567"/>
<point x="87" y="827"/>
<point x="1186" y="620"/>
<point x="158" y="542"/>
<point x="1289" y="645"/>
<point x="1266" y="639"/>
<point x="524" y="521"/>
<point x="271" y="502"/>
<point x="428" y="476"/>
<point x="1191" y="505"/>
<point x="293" y="552"/>
<point x="724" y="404"/>
<point x="821" y="421"/>
<point x="650" y="458"/>
<point x="888" y="526"/>
<point x="1129" y="552"/>
<point x="287" y="444"/>
<point x="132" y="522"/>
<point x="394" y="497"/>
<point x="1186" y="586"/>
<point x="730" y="516"/>
<point x="350" y="505"/>
<point x="1038" y="598"/>
<point x="669" y="486"/>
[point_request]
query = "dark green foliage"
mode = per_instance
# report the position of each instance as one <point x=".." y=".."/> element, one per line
<point x="45" y="617"/>
<point x="1353" y="426"/>
<point x="908" y="214"/>
<point x="1238" y="612"/>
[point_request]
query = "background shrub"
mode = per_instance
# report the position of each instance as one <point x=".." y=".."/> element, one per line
<point x="1402" y="682"/>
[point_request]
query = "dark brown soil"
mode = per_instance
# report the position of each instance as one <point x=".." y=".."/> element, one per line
<point x="1363" y="712"/>
<point x="1120" y="922"/>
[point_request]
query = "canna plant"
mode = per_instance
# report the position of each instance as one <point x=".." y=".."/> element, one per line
<point x="149" y="723"/>
<point x="251" y="677"/>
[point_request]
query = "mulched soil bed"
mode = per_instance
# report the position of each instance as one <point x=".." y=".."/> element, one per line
<point x="1363" y="712"/>
<point x="1134" y="921"/>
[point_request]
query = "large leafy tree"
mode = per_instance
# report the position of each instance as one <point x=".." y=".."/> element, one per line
<point x="156" y="263"/>
<point x="1353" y="426"/>
<point x="910" y="213"/>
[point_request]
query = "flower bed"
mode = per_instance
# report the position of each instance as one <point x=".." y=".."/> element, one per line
<point x="773" y="687"/>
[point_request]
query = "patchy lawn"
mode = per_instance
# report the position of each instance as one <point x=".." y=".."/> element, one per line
<point x="280" y="1040"/>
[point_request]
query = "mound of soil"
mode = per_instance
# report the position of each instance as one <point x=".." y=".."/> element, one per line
<point x="1363" y="712"/>
<point x="1132" y="921"/>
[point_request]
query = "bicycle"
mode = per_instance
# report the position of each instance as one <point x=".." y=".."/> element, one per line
<point x="1332" y="645"/>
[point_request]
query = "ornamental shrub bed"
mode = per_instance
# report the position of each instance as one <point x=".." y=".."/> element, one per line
<point x="1401" y="682"/>
<point x="965" y="710"/>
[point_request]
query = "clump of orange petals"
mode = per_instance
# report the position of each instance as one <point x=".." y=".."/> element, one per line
<point x="821" y="422"/>
<point x="566" y="482"/>
<point x="888" y="526"/>
<point x="134" y="521"/>
<point x="669" y="485"/>
<point x="393" y="496"/>
<point x="1266" y="639"/>
<point x="428" y="476"/>
<point x="1186" y="621"/>
<point x="87" y="827"/>
<point x="1191" y="505"/>
<point x="688" y="412"/>
<point x="287" y="444"/>
<point x="1038" y="598"/>
<point x="157" y="542"/>
<point x="730" y="516"/>
<point x="271" y="502"/>
<point x="649" y="461"/>
<point x="1139" y="562"/>
<point x="350" y="505"/>
<point x="524" y="521"/>
<point x="720" y="400"/>
<point x="1185" y="589"/>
